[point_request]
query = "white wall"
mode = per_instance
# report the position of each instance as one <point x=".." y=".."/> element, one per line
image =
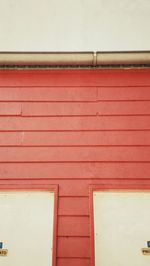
<point x="73" y="25"/>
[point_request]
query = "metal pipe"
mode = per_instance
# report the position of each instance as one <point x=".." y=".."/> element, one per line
<point x="47" y="59"/>
<point x="123" y="58"/>
<point x="74" y="58"/>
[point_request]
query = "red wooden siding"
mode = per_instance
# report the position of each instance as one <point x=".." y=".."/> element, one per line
<point x="75" y="128"/>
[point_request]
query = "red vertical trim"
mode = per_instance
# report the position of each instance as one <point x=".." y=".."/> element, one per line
<point x="55" y="227"/>
<point x="92" y="243"/>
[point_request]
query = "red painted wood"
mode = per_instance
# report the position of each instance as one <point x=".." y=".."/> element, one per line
<point x="113" y="184"/>
<point x="73" y="262"/>
<point x="44" y="94"/>
<point x="84" y="94"/>
<point x="10" y="109"/>
<point x="10" y="138"/>
<point x="73" y="247"/>
<point x="73" y="206"/>
<point x="81" y="77"/>
<point x="75" y="138"/>
<point x="43" y="184"/>
<point x="86" y="108"/>
<point x="70" y="187"/>
<point x="75" y="123"/>
<point x="75" y="154"/>
<point x="74" y="170"/>
<point x="73" y="226"/>
<point x="124" y="93"/>
<point x="53" y="121"/>
<point x="67" y="187"/>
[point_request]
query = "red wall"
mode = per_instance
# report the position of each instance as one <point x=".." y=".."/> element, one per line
<point x="75" y="128"/>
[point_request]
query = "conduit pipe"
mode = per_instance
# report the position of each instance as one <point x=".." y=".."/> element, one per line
<point x="123" y="58"/>
<point x="82" y="59"/>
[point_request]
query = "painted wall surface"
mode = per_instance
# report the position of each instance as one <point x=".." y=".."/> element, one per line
<point x="72" y="129"/>
<point x="121" y="228"/>
<point x="68" y="25"/>
<point x="26" y="228"/>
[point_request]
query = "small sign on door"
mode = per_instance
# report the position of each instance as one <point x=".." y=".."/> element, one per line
<point x="146" y="251"/>
<point x="3" y="252"/>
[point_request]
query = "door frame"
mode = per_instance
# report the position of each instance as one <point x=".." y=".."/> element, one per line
<point x="36" y="185"/>
<point x="132" y="185"/>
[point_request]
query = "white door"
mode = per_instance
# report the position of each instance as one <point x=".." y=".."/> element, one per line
<point x="122" y="228"/>
<point x="26" y="228"/>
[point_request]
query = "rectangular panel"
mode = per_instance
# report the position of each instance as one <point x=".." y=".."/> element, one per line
<point x="73" y="226"/>
<point x="26" y="228"/>
<point x="45" y="94"/>
<point x="121" y="221"/>
<point x="75" y="123"/>
<point x="75" y="170"/>
<point x="71" y="187"/>
<point x="75" y="154"/>
<point x="10" y="109"/>
<point x="85" y="109"/>
<point x="76" y="138"/>
<point x="73" y="247"/>
<point x="73" y="206"/>
<point x="75" y="109"/>
<point x="10" y="138"/>
<point x="76" y="77"/>
<point x="73" y="262"/>
<point x="124" y="93"/>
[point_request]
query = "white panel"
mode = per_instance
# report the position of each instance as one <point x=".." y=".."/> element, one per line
<point x="26" y="228"/>
<point x="122" y="228"/>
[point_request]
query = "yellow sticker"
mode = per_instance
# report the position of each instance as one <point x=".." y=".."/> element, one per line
<point x="3" y="252"/>
<point x="146" y="251"/>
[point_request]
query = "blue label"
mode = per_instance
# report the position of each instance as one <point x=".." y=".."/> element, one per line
<point x="1" y="245"/>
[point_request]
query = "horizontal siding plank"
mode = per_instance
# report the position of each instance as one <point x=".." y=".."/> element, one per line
<point x="10" y="109"/>
<point x="10" y="138"/>
<point x="75" y="77"/>
<point x="73" y="206"/>
<point x="124" y="93"/>
<point x="74" y="170"/>
<point x="132" y="184"/>
<point x="73" y="247"/>
<point x="45" y="94"/>
<point x="85" y="109"/>
<point x="74" y="154"/>
<point x="87" y="138"/>
<point x="73" y="262"/>
<point x="59" y="109"/>
<point x="73" y="226"/>
<point x="75" y="123"/>
<point x="73" y="94"/>
<point x="75" y="138"/>
<point x="75" y="109"/>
